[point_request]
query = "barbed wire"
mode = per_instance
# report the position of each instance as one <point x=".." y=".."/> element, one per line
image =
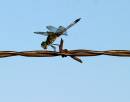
<point x="75" y="54"/>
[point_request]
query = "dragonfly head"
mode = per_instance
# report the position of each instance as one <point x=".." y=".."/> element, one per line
<point x="44" y="45"/>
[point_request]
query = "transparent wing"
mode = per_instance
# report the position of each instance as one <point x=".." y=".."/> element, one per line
<point x="62" y="29"/>
<point x="65" y="34"/>
<point x="52" y="28"/>
<point x="42" y="33"/>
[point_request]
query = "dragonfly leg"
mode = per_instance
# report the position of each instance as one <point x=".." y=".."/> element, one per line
<point x="55" y="44"/>
<point x="53" y="47"/>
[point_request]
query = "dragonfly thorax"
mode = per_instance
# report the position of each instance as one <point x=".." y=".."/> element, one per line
<point x="51" y="39"/>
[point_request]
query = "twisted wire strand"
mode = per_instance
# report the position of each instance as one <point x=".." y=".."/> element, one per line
<point x="64" y="53"/>
<point x="78" y="53"/>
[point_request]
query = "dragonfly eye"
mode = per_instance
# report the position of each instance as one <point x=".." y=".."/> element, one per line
<point x="44" y="45"/>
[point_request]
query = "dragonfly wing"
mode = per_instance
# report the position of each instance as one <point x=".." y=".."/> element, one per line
<point x="51" y="28"/>
<point x="42" y="33"/>
<point x="65" y="34"/>
<point x="61" y="29"/>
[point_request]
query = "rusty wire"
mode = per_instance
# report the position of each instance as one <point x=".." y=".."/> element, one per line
<point x="64" y="53"/>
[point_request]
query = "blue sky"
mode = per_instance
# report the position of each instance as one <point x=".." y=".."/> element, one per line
<point x="104" y="26"/>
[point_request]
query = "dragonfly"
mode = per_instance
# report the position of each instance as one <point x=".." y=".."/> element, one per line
<point x="53" y="33"/>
